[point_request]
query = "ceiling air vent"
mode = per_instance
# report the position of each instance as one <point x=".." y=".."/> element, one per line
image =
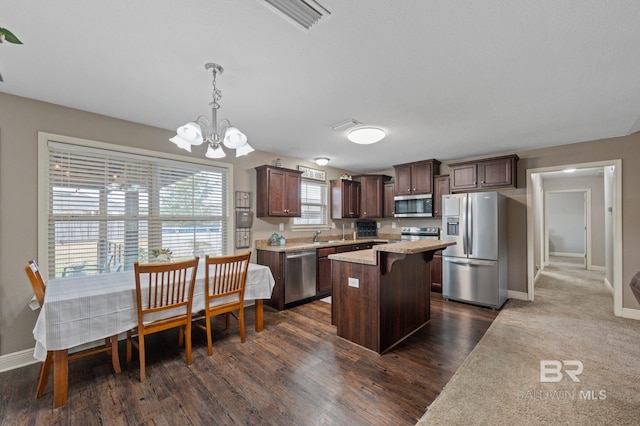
<point x="302" y="13"/>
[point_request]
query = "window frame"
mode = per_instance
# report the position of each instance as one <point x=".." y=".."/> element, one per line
<point x="43" y="185"/>
<point x="326" y="224"/>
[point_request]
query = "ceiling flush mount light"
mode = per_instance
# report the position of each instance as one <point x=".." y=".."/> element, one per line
<point x="202" y="130"/>
<point x="366" y="135"/>
<point x="321" y="161"/>
<point x="569" y="170"/>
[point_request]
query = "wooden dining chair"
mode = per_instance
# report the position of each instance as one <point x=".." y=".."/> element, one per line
<point x="160" y="288"/>
<point x="110" y="343"/>
<point x="225" y="280"/>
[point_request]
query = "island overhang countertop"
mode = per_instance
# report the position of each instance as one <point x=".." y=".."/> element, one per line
<point x="370" y="256"/>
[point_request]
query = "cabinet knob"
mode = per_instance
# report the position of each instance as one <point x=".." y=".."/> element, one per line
<point x="481" y="181"/>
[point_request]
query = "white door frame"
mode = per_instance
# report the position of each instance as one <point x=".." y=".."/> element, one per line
<point x="616" y="217"/>
<point x="586" y="218"/>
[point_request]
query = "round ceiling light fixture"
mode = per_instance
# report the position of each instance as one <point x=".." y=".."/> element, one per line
<point x="366" y="135"/>
<point x="321" y="161"/>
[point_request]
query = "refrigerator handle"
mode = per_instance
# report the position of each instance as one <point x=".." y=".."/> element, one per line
<point x="470" y="221"/>
<point x="464" y="224"/>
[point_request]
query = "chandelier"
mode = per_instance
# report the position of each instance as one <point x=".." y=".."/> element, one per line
<point x="202" y="130"/>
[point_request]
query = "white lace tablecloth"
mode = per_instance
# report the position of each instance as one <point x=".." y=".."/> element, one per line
<point x="83" y="309"/>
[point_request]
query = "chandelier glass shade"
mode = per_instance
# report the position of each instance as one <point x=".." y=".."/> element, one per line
<point x="202" y="130"/>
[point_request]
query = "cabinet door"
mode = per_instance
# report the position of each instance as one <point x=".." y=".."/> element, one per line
<point x="495" y="173"/>
<point x="371" y="187"/>
<point x="292" y="184"/>
<point x="351" y="199"/>
<point x="463" y="176"/>
<point x="277" y="190"/>
<point x="389" y="203"/>
<point x="403" y="180"/>
<point x="421" y="178"/>
<point x="323" y="280"/>
<point x="440" y="188"/>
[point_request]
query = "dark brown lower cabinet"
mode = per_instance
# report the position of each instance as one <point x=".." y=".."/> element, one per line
<point x="323" y="271"/>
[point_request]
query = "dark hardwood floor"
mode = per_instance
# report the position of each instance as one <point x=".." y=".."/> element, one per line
<point x="296" y="372"/>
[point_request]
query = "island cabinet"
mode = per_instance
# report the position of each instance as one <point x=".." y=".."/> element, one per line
<point x="389" y="209"/>
<point x="372" y="195"/>
<point x="415" y="178"/>
<point x="485" y="174"/>
<point x="345" y="199"/>
<point x="278" y="192"/>
<point x="378" y="304"/>
<point x="440" y="188"/>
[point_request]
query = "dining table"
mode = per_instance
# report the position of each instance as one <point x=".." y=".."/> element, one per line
<point x="81" y="309"/>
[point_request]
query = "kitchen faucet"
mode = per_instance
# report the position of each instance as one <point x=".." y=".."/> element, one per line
<point x="315" y="236"/>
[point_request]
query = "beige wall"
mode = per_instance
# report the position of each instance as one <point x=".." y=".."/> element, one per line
<point x="21" y="119"/>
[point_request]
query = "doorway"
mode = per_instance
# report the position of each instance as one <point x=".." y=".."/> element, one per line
<point x="567" y="225"/>
<point x="611" y="208"/>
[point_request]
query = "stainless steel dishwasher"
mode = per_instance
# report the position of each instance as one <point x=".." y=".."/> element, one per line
<point x="299" y="275"/>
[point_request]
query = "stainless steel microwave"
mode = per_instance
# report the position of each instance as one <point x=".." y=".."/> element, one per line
<point x="413" y="205"/>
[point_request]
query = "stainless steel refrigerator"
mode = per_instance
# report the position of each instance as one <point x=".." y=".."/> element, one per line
<point x="474" y="270"/>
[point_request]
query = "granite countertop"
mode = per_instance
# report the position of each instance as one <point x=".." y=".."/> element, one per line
<point x="370" y="257"/>
<point x="305" y="244"/>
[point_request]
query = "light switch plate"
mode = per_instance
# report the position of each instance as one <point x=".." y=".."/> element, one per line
<point x="354" y="282"/>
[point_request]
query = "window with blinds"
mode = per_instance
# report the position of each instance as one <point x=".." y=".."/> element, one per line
<point x="108" y="209"/>
<point x="314" y="204"/>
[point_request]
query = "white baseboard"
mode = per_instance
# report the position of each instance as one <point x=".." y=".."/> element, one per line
<point x="631" y="313"/>
<point x="520" y="295"/>
<point x="596" y="268"/>
<point x="17" y="360"/>
<point x="561" y="254"/>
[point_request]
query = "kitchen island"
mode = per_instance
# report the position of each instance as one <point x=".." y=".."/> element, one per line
<point x="381" y="296"/>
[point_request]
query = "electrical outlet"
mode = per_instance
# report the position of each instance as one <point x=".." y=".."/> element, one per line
<point x="333" y="225"/>
<point x="353" y="225"/>
<point x="354" y="282"/>
<point x="378" y="225"/>
<point x="281" y="227"/>
<point x="393" y="225"/>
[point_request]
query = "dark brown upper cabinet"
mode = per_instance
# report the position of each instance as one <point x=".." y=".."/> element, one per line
<point x="278" y="192"/>
<point x="372" y="195"/>
<point x="440" y="188"/>
<point x="416" y="178"/>
<point x="345" y="199"/>
<point x="488" y="173"/>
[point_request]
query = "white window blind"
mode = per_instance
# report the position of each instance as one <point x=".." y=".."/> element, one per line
<point x="313" y="203"/>
<point x="108" y="209"/>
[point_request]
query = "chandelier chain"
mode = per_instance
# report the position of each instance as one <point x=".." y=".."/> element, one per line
<point x="217" y="94"/>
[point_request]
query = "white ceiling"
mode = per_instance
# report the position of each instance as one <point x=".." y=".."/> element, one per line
<point x="445" y="79"/>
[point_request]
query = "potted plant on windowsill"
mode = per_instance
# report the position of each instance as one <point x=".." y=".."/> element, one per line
<point x="161" y="255"/>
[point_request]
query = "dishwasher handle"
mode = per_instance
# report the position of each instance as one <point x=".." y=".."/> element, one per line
<point x="300" y="254"/>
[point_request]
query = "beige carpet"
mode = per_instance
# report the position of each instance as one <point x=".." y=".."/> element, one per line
<point x="571" y="319"/>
